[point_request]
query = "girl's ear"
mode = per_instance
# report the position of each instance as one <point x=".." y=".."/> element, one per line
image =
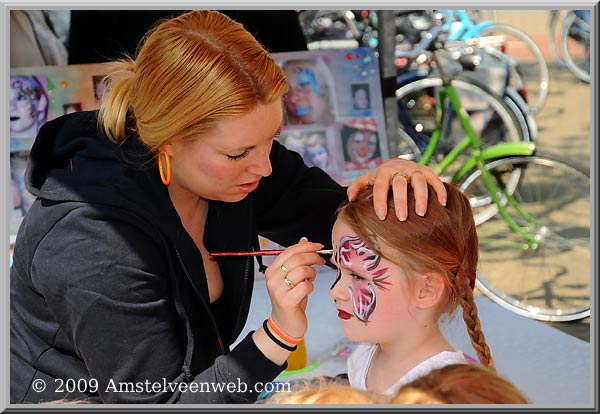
<point x="430" y="289"/>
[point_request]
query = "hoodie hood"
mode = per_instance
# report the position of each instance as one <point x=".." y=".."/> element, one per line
<point x="72" y="160"/>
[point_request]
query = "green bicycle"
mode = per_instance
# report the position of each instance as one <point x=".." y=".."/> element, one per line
<point x="532" y="209"/>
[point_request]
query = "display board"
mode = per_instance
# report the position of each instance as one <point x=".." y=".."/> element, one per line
<point x="333" y="111"/>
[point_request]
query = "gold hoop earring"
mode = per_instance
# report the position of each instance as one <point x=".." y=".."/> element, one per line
<point x="165" y="172"/>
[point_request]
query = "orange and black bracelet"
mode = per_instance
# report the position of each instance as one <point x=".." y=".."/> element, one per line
<point x="279" y="332"/>
<point x="275" y="339"/>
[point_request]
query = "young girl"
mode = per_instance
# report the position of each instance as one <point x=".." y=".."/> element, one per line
<point x="395" y="279"/>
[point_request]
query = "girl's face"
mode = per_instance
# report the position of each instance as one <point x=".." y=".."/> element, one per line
<point x="361" y="100"/>
<point x="372" y="295"/>
<point x="24" y="106"/>
<point x="318" y="155"/>
<point x="227" y="163"/>
<point x="304" y="100"/>
<point x="361" y="146"/>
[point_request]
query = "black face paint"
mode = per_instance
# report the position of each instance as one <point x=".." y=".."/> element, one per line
<point x="339" y="271"/>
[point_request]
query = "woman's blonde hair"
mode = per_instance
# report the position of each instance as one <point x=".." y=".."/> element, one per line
<point x="190" y="72"/>
<point x="460" y="384"/>
<point x="443" y="241"/>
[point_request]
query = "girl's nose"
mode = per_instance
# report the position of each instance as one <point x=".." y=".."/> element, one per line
<point x="336" y="292"/>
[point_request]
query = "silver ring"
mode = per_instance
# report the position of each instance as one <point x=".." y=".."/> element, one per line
<point x="285" y="270"/>
<point x="288" y="283"/>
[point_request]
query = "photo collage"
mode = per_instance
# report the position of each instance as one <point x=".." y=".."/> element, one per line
<point x="333" y="110"/>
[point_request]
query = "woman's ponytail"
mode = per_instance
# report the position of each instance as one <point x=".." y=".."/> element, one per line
<point x="114" y="109"/>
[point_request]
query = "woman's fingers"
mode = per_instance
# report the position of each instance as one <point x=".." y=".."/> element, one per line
<point x="419" y="185"/>
<point x="295" y="255"/>
<point x="399" y="188"/>
<point x="286" y="289"/>
<point x="397" y="174"/>
<point x="293" y="278"/>
<point x="289" y="282"/>
<point x="290" y="271"/>
<point x="434" y="181"/>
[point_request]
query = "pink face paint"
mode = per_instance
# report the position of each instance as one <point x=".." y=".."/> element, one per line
<point x="379" y="277"/>
<point x="364" y="300"/>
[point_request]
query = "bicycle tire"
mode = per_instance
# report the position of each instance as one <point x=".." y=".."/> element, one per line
<point x="416" y="116"/>
<point x="531" y="68"/>
<point x="519" y="107"/>
<point x="553" y="280"/>
<point x="572" y="48"/>
<point x="555" y="22"/>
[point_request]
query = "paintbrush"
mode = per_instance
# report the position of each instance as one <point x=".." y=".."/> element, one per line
<point x="258" y="253"/>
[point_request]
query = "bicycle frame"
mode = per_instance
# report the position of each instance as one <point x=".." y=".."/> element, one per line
<point x="478" y="157"/>
<point x="466" y="28"/>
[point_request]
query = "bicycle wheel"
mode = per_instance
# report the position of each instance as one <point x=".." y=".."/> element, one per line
<point x="553" y="278"/>
<point x="575" y="46"/>
<point x="555" y="24"/>
<point x="491" y="118"/>
<point x="530" y="71"/>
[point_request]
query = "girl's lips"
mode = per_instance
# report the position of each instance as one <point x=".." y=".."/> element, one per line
<point x="248" y="187"/>
<point x="343" y="315"/>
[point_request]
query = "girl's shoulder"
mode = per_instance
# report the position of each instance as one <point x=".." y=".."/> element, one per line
<point x="451" y="357"/>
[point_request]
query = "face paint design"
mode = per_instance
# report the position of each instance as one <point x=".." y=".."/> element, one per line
<point x="353" y="250"/>
<point x="339" y="271"/>
<point x="364" y="300"/>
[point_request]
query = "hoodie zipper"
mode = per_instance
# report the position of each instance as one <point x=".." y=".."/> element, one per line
<point x="238" y="328"/>
<point x="209" y="312"/>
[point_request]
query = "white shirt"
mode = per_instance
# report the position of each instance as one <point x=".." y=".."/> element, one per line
<point x="360" y="360"/>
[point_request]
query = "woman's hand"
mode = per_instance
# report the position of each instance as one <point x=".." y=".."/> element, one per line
<point x="289" y="282"/>
<point x="398" y="173"/>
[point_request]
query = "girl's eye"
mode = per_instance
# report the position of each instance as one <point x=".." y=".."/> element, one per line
<point x="357" y="278"/>
<point x="238" y="157"/>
